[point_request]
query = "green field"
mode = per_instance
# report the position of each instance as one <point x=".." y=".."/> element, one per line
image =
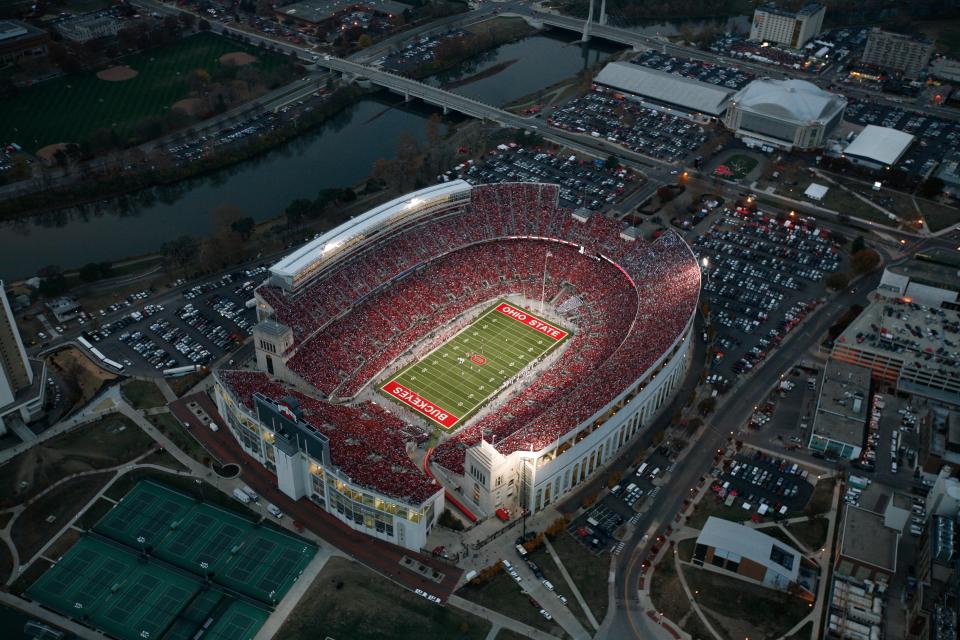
<point x="73" y="107"/>
<point x="462" y="374"/>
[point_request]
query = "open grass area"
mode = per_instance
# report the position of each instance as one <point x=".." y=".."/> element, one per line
<point x="744" y="609"/>
<point x="108" y="442"/>
<point x="588" y="571"/>
<point x="181" y="384"/>
<point x="31" y="530"/>
<point x="938" y="216"/>
<point x="802" y="634"/>
<point x="710" y="506"/>
<point x="508" y="634"/>
<point x="6" y="563"/>
<point x="739" y="166"/>
<point x="822" y="499"/>
<point x="82" y="378"/>
<point x="451" y="383"/>
<point x="812" y="533"/>
<point x="163" y="458"/>
<point x="64" y="542"/>
<point x="348" y="600"/>
<point x="552" y="573"/>
<point x="505" y="596"/>
<point x="666" y="592"/>
<point x="685" y="549"/>
<point x="36" y="116"/>
<point x="143" y="394"/>
<point x="93" y="513"/>
<point x="169" y="426"/>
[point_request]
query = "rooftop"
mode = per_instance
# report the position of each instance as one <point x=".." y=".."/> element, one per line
<point x="10" y="30"/>
<point x="842" y="406"/>
<point x="930" y="270"/>
<point x="796" y="100"/>
<point x="880" y="144"/>
<point x="865" y="539"/>
<point x="670" y="88"/>
<point x="751" y="543"/>
<point x="924" y="339"/>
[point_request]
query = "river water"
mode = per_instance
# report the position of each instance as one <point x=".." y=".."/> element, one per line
<point x="337" y="154"/>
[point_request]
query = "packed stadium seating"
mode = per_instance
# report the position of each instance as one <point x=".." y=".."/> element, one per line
<point x="367" y="443"/>
<point x="635" y="303"/>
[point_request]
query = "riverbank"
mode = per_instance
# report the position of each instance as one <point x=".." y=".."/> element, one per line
<point x="484" y="36"/>
<point x="91" y="189"/>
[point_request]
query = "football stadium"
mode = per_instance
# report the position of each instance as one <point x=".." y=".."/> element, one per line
<point x="537" y="341"/>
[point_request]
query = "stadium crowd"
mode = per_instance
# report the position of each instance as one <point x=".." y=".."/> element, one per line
<point x="348" y="326"/>
<point x="367" y="443"/>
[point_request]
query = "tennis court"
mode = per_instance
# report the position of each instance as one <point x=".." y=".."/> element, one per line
<point x="141" y="573"/>
<point x="110" y="588"/>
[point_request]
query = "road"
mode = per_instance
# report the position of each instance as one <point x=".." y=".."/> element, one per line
<point x="627" y="620"/>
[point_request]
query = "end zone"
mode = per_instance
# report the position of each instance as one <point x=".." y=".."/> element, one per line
<point x="421" y="405"/>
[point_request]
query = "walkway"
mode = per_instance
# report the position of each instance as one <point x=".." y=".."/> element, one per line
<point x="499" y="619"/>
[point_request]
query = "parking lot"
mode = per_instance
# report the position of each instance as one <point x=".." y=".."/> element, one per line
<point x="828" y="48"/>
<point x="595" y="528"/>
<point x="582" y="183"/>
<point x="721" y="75"/>
<point x="418" y="52"/>
<point x="935" y="137"/>
<point x="196" y="329"/>
<point x="648" y="131"/>
<point x="762" y="483"/>
<point x="762" y="277"/>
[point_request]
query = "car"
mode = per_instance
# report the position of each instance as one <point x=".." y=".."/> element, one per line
<point x="562" y="599"/>
<point x="546" y="614"/>
<point x="548" y="584"/>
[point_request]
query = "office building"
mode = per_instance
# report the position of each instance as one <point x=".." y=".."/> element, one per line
<point x="789" y="28"/>
<point x="905" y="54"/>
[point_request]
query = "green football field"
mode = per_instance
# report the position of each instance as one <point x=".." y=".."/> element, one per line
<point x="460" y="376"/>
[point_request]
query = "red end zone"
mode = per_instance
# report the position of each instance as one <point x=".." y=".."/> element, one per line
<point x="421" y="405"/>
<point x="535" y="323"/>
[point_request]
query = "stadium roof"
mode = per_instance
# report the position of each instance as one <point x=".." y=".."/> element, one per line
<point x="359" y="226"/>
<point x="796" y="100"/>
<point x="750" y="543"/>
<point x="664" y="87"/>
<point x="880" y="144"/>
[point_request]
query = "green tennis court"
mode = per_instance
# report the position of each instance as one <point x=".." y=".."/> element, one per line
<point x="162" y="565"/>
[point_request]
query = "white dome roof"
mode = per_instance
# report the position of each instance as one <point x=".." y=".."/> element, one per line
<point x="797" y="100"/>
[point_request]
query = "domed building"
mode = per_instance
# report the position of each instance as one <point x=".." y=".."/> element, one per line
<point x="787" y="114"/>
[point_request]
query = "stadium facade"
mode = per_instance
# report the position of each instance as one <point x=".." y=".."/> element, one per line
<point x="787" y="114"/>
<point x="348" y="310"/>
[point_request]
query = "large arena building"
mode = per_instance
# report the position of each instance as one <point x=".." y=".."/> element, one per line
<point x="786" y="114"/>
<point x="537" y="340"/>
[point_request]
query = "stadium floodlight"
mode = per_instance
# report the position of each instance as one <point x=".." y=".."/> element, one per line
<point x="414" y="202"/>
<point x="330" y="246"/>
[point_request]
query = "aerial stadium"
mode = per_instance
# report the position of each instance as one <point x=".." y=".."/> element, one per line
<point x="534" y="340"/>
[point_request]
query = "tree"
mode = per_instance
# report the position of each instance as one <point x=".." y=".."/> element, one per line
<point x="864" y="261"/>
<point x="244" y="227"/>
<point x="707" y="405"/>
<point x="54" y="285"/>
<point x="612" y="162"/>
<point x="181" y="251"/>
<point x="858" y="244"/>
<point x="203" y="25"/>
<point x="93" y="271"/>
<point x="837" y="281"/>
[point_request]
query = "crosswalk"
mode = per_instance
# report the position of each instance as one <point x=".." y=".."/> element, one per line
<point x="617" y="549"/>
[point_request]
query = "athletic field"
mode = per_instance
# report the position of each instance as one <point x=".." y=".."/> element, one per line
<point x="460" y="376"/>
<point x="71" y="108"/>
<point x="142" y="572"/>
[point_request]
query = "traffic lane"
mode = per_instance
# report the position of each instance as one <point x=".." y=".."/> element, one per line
<point x="726" y="422"/>
<point x="381" y="556"/>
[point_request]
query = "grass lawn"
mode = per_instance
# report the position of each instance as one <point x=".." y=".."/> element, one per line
<point x="36" y="117"/>
<point x="507" y="634"/>
<point x="666" y="592"/>
<point x="143" y="394"/>
<point x="552" y="573"/>
<point x="802" y="634"/>
<point x="6" y="562"/>
<point x="709" y="506"/>
<point x="740" y="165"/>
<point x="464" y="372"/>
<point x="938" y="216"/>
<point x="64" y="542"/>
<point x="685" y="549"/>
<point x="31" y="530"/>
<point x="181" y="384"/>
<point x="812" y="533"/>
<point x="93" y="513"/>
<point x="164" y="459"/>
<point x="82" y="378"/>
<point x="588" y="571"/>
<point x="169" y="426"/>
<point x="822" y="499"/>
<point x="505" y="596"/>
<point x="744" y="609"/>
<point x="110" y="441"/>
<point x="779" y="534"/>
<point x="348" y="600"/>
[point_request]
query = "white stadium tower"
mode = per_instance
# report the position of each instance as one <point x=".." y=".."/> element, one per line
<point x="354" y="307"/>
